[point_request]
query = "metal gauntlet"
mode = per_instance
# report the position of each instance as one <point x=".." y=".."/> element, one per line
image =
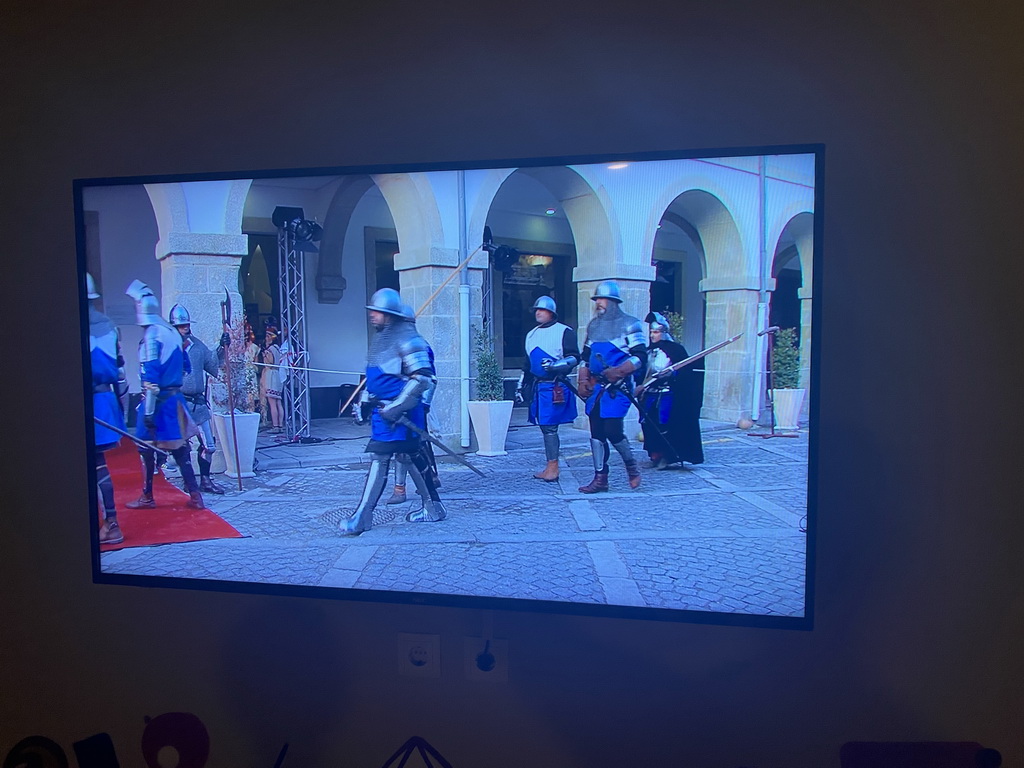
<point x="562" y="367"/>
<point x="408" y="398"/>
<point x="622" y="370"/>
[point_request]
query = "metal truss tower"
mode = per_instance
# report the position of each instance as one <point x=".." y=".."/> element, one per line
<point x="293" y="321"/>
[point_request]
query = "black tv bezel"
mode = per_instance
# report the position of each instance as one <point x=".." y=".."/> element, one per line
<point x="805" y="622"/>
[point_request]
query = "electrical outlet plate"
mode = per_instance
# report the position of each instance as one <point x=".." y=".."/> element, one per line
<point x="419" y="655"/>
<point x="473" y="647"/>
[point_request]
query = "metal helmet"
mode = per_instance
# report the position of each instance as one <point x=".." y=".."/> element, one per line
<point x="609" y="289"/>
<point x="90" y="287"/>
<point x="147" y="306"/>
<point x="386" y="300"/>
<point x="659" y="322"/>
<point x="179" y="316"/>
<point x="545" y="302"/>
<point x="408" y="313"/>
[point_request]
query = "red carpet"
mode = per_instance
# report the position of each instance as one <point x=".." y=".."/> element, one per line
<point x="171" y="522"/>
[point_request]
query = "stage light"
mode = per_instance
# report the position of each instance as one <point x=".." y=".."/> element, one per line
<point x="504" y="258"/>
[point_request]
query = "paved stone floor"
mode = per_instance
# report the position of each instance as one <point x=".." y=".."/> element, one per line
<point x="721" y="536"/>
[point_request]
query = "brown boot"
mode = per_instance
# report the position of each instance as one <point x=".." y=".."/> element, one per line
<point x="634" y="474"/>
<point x="550" y="473"/>
<point x="110" y="532"/>
<point x="145" y="501"/>
<point x="597" y="485"/>
<point x="195" y="500"/>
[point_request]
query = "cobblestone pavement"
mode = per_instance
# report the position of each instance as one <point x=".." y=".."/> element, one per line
<point x="721" y="536"/>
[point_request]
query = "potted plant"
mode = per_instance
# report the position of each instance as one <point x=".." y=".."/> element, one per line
<point x="490" y="412"/>
<point x="788" y="398"/>
<point x="240" y="370"/>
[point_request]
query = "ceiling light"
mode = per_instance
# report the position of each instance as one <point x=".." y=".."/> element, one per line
<point x="617" y="166"/>
<point x="550" y="212"/>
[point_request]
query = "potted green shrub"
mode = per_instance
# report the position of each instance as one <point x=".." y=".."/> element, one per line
<point x="490" y="412"/>
<point x="788" y="396"/>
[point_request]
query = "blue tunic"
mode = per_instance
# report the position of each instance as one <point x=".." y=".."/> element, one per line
<point x="103" y="353"/>
<point x="396" y="352"/>
<point x="162" y="363"/>
<point x="605" y="350"/>
<point x="547" y="343"/>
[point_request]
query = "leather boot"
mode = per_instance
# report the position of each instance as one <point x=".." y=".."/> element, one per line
<point x="597" y="485"/>
<point x="145" y="501"/>
<point x="398" y="497"/>
<point x="206" y="485"/>
<point x="550" y="473"/>
<point x="195" y="500"/>
<point x="431" y="512"/>
<point x="634" y="474"/>
<point x="110" y="532"/>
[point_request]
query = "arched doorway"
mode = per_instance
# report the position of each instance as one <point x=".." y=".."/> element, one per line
<point x="678" y="259"/>
<point x="527" y="214"/>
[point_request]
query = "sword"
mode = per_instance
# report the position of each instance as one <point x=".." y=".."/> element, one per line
<point x="138" y="441"/>
<point x="404" y="421"/>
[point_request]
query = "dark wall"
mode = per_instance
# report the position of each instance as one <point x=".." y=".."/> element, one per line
<point x="919" y="610"/>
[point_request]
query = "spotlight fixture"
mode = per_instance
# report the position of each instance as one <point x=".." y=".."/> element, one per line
<point x="503" y="257"/>
<point x="303" y="231"/>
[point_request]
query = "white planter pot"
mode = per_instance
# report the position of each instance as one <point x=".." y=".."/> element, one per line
<point x="247" y="426"/>
<point x="490" y="422"/>
<point x="788" y="403"/>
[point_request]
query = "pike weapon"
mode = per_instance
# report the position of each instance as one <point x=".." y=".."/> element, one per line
<point x="225" y="316"/>
<point x="619" y="386"/>
<point x="137" y="440"/>
<point x="664" y="372"/>
<point x="404" y="421"/>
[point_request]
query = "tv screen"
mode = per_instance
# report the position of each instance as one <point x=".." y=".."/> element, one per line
<point x="584" y="385"/>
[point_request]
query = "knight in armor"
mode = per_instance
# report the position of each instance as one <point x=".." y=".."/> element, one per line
<point x="670" y="401"/>
<point x="107" y="376"/>
<point x="203" y="362"/>
<point x="398" y="373"/>
<point x="402" y="462"/>
<point x="162" y="416"/>
<point x="552" y="353"/>
<point x="613" y="355"/>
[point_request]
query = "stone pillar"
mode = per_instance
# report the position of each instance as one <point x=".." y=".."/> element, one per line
<point x="805" y="342"/>
<point x="729" y="381"/>
<point x="439" y="324"/>
<point x="195" y="272"/>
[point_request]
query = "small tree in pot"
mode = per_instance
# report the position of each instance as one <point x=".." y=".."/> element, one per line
<point x="490" y="412"/>
<point x="788" y="397"/>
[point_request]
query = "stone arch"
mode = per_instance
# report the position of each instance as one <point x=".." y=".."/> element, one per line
<point x="330" y="282"/>
<point x="796" y="234"/>
<point x="796" y="241"/>
<point x="722" y="259"/>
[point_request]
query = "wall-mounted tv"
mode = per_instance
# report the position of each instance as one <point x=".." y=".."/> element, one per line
<point x="582" y="384"/>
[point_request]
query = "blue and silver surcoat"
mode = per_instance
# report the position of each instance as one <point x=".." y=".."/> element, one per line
<point x="552" y="402"/>
<point x="104" y="354"/>
<point x="612" y="339"/>
<point x="397" y="351"/>
<point x="162" y="366"/>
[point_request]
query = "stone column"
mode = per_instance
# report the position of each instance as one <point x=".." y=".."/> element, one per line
<point x="439" y="324"/>
<point x="729" y="378"/>
<point x="805" y="342"/>
<point x="194" y="273"/>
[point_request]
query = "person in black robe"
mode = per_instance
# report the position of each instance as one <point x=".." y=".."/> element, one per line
<point x="670" y="400"/>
